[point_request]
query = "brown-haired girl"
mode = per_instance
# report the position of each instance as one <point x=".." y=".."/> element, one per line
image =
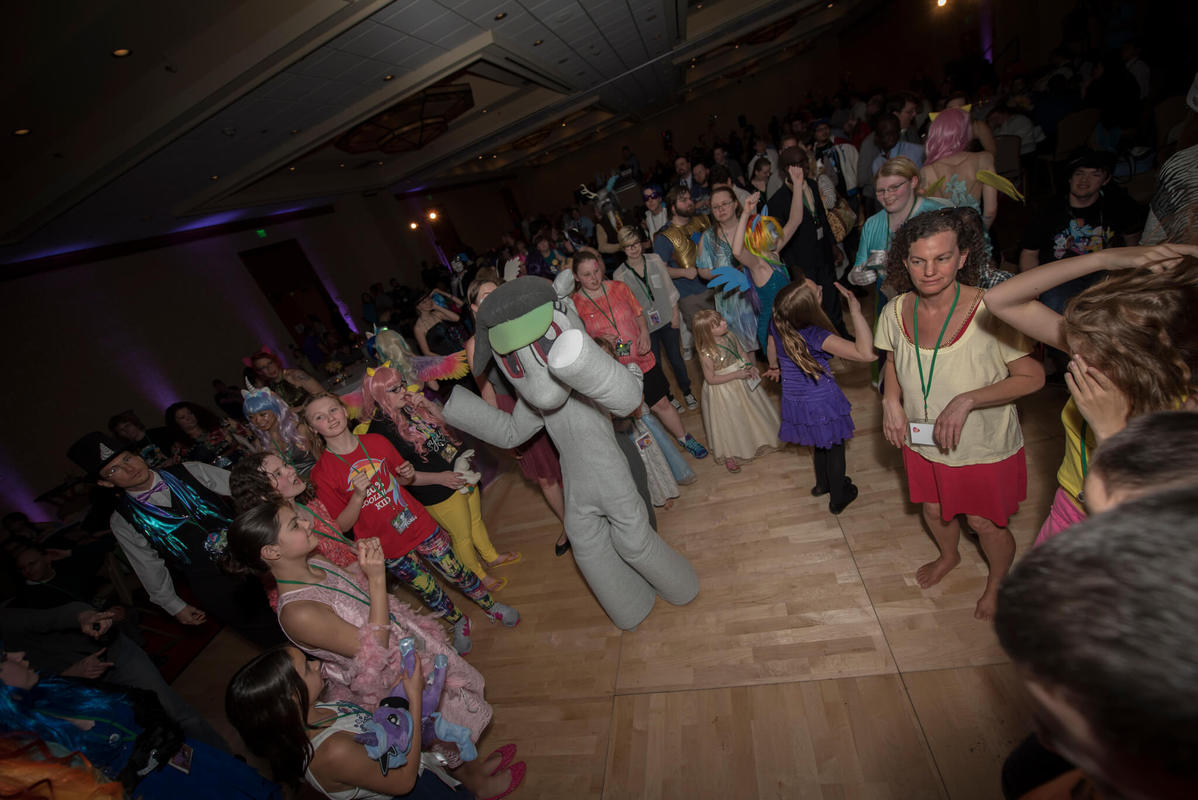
<point x="815" y="412"/>
<point x="1133" y="342"/>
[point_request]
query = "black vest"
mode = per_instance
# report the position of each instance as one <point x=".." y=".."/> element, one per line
<point x="193" y="534"/>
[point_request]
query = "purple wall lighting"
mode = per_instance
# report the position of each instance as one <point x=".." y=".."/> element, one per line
<point x="331" y="288"/>
<point x="15" y="494"/>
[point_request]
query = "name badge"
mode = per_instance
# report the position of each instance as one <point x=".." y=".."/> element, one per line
<point x="654" y="317"/>
<point x="819" y="232"/>
<point x="402" y="520"/>
<point x="921" y="432"/>
<point x="643" y="441"/>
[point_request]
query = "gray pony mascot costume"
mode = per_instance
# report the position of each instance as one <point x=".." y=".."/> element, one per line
<point x="570" y="387"/>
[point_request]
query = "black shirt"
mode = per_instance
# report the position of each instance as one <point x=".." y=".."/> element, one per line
<point x="432" y="460"/>
<point x="1058" y="230"/>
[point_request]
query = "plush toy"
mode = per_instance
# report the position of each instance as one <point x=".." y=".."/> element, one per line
<point x="461" y="465"/>
<point x="388" y="735"/>
<point x="571" y="388"/>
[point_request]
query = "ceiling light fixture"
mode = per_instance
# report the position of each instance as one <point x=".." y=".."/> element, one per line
<point x="413" y="225"/>
<point x="388" y="77"/>
<point x="342" y="164"/>
<point x="538" y="43"/>
<point x="213" y="177"/>
<point x="941" y="3"/>
<point x="432" y="216"/>
<point x="291" y="169"/>
<point x="500" y="15"/>
<point x="380" y="163"/>
<point x="294" y="131"/>
<point x="121" y="52"/>
<point x="21" y="132"/>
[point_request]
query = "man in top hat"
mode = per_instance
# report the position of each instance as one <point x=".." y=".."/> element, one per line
<point x="177" y="517"/>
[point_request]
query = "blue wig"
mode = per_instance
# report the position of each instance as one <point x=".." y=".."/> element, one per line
<point x="42" y="711"/>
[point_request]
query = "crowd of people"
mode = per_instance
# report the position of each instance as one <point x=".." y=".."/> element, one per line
<point x="293" y="514"/>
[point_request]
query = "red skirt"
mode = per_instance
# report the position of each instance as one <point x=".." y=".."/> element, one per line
<point x="538" y="457"/>
<point x="992" y="491"/>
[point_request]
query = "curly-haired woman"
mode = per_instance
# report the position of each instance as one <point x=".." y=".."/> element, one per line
<point x="950" y="390"/>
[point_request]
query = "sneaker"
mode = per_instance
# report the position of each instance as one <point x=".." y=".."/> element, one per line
<point x="461" y="635"/>
<point x="693" y="447"/>
<point x="500" y="612"/>
<point x="677" y="406"/>
<point x="691" y="402"/>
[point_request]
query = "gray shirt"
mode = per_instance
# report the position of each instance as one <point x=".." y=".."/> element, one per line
<point x="151" y="570"/>
<point x="658" y="298"/>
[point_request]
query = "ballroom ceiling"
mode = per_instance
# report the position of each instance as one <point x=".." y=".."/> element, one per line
<point x="227" y="108"/>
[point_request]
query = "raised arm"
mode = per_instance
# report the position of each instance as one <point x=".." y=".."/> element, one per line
<point x="862" y="349"/>
<point x="748" y="209"/>
<point x="1014" y="301"/>
<point x="989" y="193"/>
<point x="796" y="206"/>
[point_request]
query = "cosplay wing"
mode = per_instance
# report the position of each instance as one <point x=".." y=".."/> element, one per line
<point x="436" y="368"/>
<point x="729" y="279"/>
<point x="999" y="182"/>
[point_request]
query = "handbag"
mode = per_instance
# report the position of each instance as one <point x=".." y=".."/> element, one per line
<point x="845" y="219"/>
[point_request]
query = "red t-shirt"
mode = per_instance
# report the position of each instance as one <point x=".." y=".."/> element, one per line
<point x="385" y="499"/>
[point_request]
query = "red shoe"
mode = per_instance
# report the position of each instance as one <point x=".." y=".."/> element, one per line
<point x="518" y="769"/>
<point x="506" y="754"/>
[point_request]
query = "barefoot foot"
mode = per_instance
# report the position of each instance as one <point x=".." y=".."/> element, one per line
<point x="987" y="604"/>
<point x="932" y="572"/>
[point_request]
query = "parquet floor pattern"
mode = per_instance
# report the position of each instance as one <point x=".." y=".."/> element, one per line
<point x="811" y="665"/>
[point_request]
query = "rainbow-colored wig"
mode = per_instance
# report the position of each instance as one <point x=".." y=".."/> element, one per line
<point x="761" y="237"/>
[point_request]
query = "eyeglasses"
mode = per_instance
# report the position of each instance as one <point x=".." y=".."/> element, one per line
<point x="652" y="196"/>
<point x="123" y="464"/>
<point x="884" y="190"/>
<point x="722" y="206"/>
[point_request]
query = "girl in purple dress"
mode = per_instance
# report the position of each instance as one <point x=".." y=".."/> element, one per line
<point x="815" y="412"/>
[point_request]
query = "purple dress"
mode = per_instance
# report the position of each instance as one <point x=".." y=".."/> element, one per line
<point x="814" y="413"/>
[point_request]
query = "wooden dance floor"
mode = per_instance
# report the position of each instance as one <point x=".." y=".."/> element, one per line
<point x="811" y="665"/>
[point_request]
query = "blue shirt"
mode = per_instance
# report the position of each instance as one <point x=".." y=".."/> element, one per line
<point x="685" y="286"/>
<point x="911" y="151"/>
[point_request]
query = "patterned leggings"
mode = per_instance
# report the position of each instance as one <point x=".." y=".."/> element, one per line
<point x="438" y="552"/>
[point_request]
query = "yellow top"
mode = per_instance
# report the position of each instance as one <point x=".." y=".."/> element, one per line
<point x="1071" y="476"/>
<point x="978" y="358"/>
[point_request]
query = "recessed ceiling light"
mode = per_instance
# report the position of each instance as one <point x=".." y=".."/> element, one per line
<point x="413" y="225"/>
<point x="495" y="155"/>
<point x="291" y="169"/>
<point x="388" y="77"/>
<point x="21" y="132"/>
<point x="342" y="164"/>
<point x="500" y="15"/>
<point x="432" y="215"/>
<point x="121" y="52"/>
<point x="380" y="163"/>
<point x="213" y="177"/>
<point x="538" y="43"/>
<point x="563" y="124"/>
<point x="484" y="111"/>
<point x="294" y="131"/>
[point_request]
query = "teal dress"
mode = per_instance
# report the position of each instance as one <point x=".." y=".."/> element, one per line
<point x="766" y="295"/>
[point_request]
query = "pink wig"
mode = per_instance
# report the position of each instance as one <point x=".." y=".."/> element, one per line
<point x="374" y="396"/>
<point x="374" y="391"/>
<point x="949" y="133"/>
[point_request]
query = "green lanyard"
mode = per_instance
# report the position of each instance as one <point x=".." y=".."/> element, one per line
<point x="339" y="537"/>
<point x="128" y="737"/>
<point x="926" y="388"/>
<point x="328" y="570"/>
<point x="1085" y="461"/>
<point x="645" y="280"/>
<point x="282" y="453"/>
<point x="735" y="354"/>
<point x="612" y="317"/>
<point x="381" y="489"/>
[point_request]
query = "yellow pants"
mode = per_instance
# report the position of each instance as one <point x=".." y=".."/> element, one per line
<point x="462" y="516"/>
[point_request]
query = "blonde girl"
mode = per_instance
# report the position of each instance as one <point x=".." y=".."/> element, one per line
<point x="741" y="421"/>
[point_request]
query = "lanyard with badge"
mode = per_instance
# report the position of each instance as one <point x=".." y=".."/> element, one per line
<point x="921" y="430"/>
<point x="623" y="346"/>
<point x="753" y="382"/>
<point x="405" y="517"/>
<point x="651" y="314"/>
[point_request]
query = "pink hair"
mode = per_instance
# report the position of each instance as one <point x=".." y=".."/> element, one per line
<point x="374" y="395"/>
<point x="949" y="133"/>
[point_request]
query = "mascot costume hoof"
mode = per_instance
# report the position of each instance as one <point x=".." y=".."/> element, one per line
<point x="567" y="385"/>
